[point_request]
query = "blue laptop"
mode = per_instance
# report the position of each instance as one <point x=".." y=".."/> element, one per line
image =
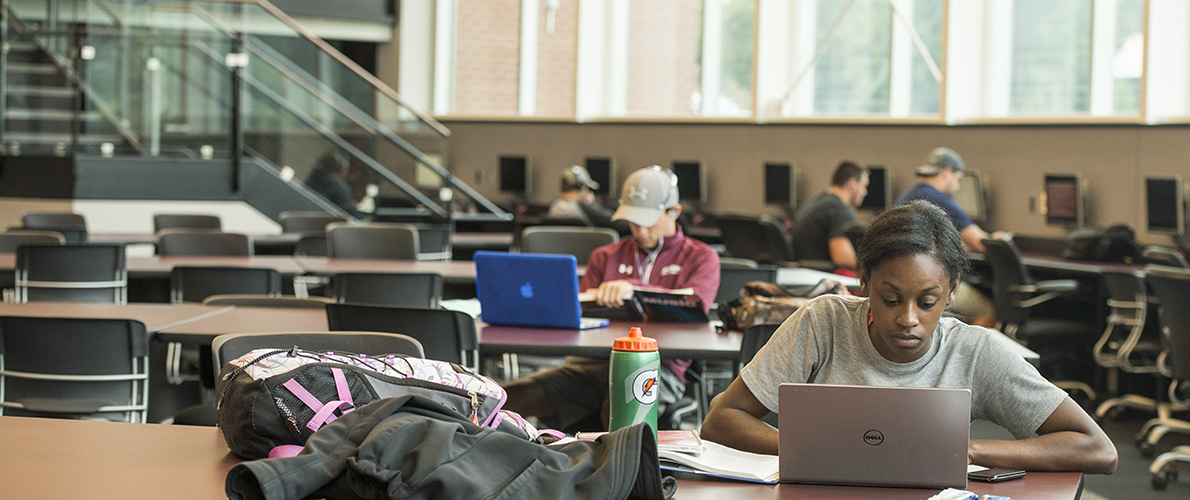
<point x="528" y="289"/>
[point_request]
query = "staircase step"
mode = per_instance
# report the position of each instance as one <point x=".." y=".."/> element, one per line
<point x="22" y="46"/>
<point x="40" y="91"/>
<point x="49" y="114"/>
<point x="39" y="138"/>
<point x="32" y="68"/>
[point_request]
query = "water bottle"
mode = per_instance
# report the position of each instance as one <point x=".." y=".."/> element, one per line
<point x="634" y="382"/>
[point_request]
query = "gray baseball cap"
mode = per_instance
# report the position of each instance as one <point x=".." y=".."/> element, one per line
<point x="940" y="159"/>
<point x="576" y="177"/>
<point x="646" y="195"/>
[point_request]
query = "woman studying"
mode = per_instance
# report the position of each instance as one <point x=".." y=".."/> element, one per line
<point x="910" y="263"/>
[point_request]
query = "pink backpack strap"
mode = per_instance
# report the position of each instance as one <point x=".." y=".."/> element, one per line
<point x="324" y="413"/>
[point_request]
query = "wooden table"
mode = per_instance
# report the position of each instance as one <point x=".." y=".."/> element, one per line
<point x="155" y="316"/>
<point x="451" y="271"/>
<point x="48" y="458"/>
<point x="154" y="267"/>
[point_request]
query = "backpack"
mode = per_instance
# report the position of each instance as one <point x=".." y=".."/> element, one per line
<point x="762" y="303"/>
<point x="1113" y="244"/>
<point x="270" y="401"/>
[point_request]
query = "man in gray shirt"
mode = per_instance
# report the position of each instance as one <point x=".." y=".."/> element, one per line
<point x="819" y="228"/>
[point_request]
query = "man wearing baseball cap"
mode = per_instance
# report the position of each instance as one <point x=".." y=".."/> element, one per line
<point x="578" y="199"/>
<point x="658" y="256"/>
<point x="940" y="178"/>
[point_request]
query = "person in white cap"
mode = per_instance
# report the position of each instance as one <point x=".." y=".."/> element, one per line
<point x="658" y="256"/>
<point x="578" y="199"/>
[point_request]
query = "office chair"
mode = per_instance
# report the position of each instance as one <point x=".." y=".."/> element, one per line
<point x="1172" y="287"/>
<point x="1163" y="256"/>
<point x="72" y="368"/>
<point x="566" y="240"/>
<point x="194" y="284"/>
<point x="307" y="221"/>
<point x="402" y="290"/>
<point x="756" y="237"/>
<point x="434" y="242"/>
<point x="72" y="226"/>
<point x="257" y="300"/>
<point x="311" y="245"/>
<point x="189" y="243"/>
<point x="1015" y="293"/>
<point x="13" y="238"/>
<point x="378" y="240"/>
<point x="71" y="273"/>
<point x="162" y="222"/>
<point x="755" y="337"/>
<point x="1126" y="344"/>
<point x="445" y="335"/>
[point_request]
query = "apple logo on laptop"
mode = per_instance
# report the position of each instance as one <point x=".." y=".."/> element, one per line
<point x="527" y="290"/>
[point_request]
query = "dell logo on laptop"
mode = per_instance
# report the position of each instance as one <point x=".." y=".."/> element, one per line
<point x="527" y="290"/>
<point x="873" y="437"/>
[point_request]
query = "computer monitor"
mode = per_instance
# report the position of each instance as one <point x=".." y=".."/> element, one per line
<point x="514" y="174"/>
<point x="603" y="171"/>
<point x="692" y="180"/>
<point x="1165" y="203"/>
<point x="1064" y="200"/>
<point x="970" y="196"/>
<point x="879" y="189"/>
<point x="779" y="184"/>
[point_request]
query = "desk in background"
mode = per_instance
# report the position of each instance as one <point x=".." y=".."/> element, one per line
<point x="50" y="458"/>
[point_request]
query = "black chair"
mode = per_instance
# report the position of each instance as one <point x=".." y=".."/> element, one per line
<point x="434" y="242"/>
<point x="379" y="240"/>
<point x="13" y="238"/>
<point x="756" y="237"/>
<point x="1059" y="341"/>
<point x="445" y="335"/>
<point x="162" y="222"/>
<point x="186" y="243"/>
<point x="1129" y="342"/>
<point x="1172" y="287"/>
<point x="230" y="347"/>
<point x="1163" y="256"/>
<point x="311" y="245"/>
<point x="194" y="284"/>
<point x="733" y="279"/>
<point x="71" y="273"/>
<point x="576" y="241"/>
<point x="73" y="227"/>
<point x="56" y="367"/>
<point x="755" y="337"/>
<point x="307" y="222"/>
<point x="257" y="300"/>
<point x="402" y="290"/>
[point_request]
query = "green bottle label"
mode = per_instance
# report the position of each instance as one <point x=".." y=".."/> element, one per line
<point x="634" y="389"/>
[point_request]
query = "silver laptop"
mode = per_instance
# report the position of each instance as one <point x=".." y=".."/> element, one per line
<point x="874" y="436"/>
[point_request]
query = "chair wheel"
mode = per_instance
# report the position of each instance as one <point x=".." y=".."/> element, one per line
<point x="1147" y="449"/>
<point x="1159" y="481"/>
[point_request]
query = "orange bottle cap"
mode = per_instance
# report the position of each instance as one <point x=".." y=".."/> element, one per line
<point x="635" y="341"/>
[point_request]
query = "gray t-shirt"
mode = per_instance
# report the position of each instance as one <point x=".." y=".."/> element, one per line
<point x="826" y="342"/>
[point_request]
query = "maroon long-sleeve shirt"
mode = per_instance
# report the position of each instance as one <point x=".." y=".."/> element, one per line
<point x="678" y="262"/>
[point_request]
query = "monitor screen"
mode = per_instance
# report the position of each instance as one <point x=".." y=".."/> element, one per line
<point x="1164" y="201"/>
<point x="691" y="180"/>
<point x="603" y="171"/>
<point x="514" y="174"/>
<point x="778" y="184"/>
<point x="1064" y="200"/>
<point x="879" y="189"/>
<point x="970" y="196"/>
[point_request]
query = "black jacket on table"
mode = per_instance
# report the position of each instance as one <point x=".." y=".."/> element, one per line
<point x="412" y="447"/>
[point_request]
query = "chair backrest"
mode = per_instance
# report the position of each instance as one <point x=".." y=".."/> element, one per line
<point x="99" y="367"/>
<point x="71" y="273"/>
<point x="563" y="221"/>
<point x="754" y="236"/>
<point x="194" y="284"/>
<point x="434" y="241"/>
<point x="162" y="222"/>
<point x="1128" y="303"/>
<point x="13" y="238"/>
<point x="1172" y="288"/>
<point x="737" y="263"/>
<point x="567" y="240"/>
<point x="402" y="290"/>
<point x="311" y="245"/>
<point x="1008" y="273"/>
<point x="307" y="222"/>
<point x="378" y="240"/>
<point x="755" y="337"/>
<point x="731" y="280"/>
<point x="182" y="243"/>
<point x="258" y="300"/>
<point x="1163" y="256"/>
<point x="72" y="226"/>
<point x="229" y="347"/>
<point x="445" y="335"/>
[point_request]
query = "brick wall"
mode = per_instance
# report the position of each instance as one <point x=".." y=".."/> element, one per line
<point x="662" y="57"/>
<point x="557" y="55"/>
<point x="487" y="57"/>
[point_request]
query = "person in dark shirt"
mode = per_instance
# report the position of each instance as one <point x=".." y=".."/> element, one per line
<point x="819" y="228"/>
<point x="329" y="179"/>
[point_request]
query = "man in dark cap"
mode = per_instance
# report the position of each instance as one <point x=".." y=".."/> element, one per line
<point x="578" y="199"/>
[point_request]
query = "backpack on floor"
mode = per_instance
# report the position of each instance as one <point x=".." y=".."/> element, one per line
<point x="270" y="401"/>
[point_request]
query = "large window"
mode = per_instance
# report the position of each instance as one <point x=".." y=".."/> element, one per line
<point x="1051" y="56"/>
